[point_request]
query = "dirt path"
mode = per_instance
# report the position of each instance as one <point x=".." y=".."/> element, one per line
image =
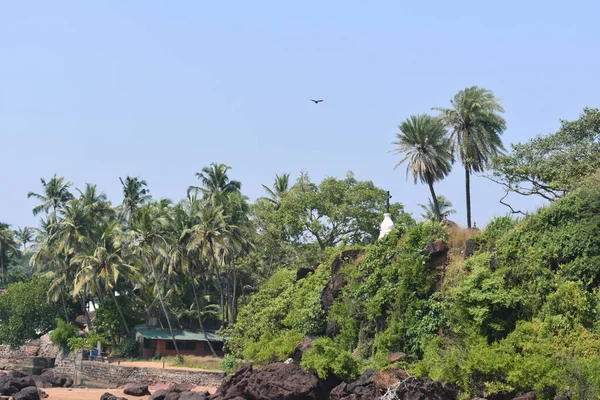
<point x="94" y="394"/>
<point x="159" y="365"/>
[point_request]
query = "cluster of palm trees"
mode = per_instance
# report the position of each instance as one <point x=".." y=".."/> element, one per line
<point x="469" y="130"/>
<point x="151" y="250"/>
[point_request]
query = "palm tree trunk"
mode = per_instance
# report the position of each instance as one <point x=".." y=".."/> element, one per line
<point x="233" y="314"/>
<point x="64" y="304"/>
<point x="162" y="304"/>
<point x="2" y="267"/>
<point x="468" y="191"/>
<point x="200" y="314"/>
<point x="85" y="311"/>
<point x="112" y="292"/>
<point x="436" y="204"/>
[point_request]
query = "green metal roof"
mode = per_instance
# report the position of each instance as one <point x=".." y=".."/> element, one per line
<point x="157" y="333"/>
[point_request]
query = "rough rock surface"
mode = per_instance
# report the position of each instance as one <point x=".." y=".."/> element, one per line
<point x="194" y="396"/>
<point x="303" y="272"/>
<point x="336" y="283"/>
<point x="28" y="393"/>
<point x="395" y="357"/>
<point x="303" y="347"/>
<point x="526" y="396"/>
<point x="438" y="252"/>
<point x="470" y="248"/>
<point x="159" y="395"/>
<point x="137" y="390"/>
<point x="180" y="387"/>
<point x="276" y="381"/>
<point x="110" y="396"/>
<point x="406" y="387"/>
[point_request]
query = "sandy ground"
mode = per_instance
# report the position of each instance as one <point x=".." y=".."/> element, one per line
<point x="158" y="364"/>
<point x="94" y="394"/>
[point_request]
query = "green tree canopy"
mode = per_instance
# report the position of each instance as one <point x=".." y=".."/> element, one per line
<point x="551" y="166"/>
<point x="334" y="211"/>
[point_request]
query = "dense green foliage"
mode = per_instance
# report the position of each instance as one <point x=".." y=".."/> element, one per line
<point x="25" y="313"/>
<point x="63" y="332"/>
<point x="525" y="315"/>
<point x="553" y="165"/>
<point x="521" y="314"/>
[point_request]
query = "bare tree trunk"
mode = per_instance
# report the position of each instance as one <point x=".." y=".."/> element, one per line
<point x="64" y="304"/>
<point x="162" y="304"/>
<point x="233" y="313"/>
<point x="200" y="314"/>
<point x="468" y="190"/>
<point x="436" y="204"/>
<point x="112" y="292"/>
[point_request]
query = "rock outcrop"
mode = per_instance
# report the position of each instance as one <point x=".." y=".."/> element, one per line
<point x="278" y="381"/>
<point x="137" y="390"/>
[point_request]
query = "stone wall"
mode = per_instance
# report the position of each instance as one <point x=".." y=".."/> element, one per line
<point x="119" y="375"/>
<point x="9" y="357"/>
<point x="31" y="359"/>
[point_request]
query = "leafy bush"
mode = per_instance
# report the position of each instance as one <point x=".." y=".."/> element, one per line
<point x="25" y="312"/>
<point x="129" y="348"/>
<point x="63" y="332"/>
<point x="273" y="347"/>
<point x="89" y="341"/>
<point x="327" y="357"/>
<point x="229" y="364"/>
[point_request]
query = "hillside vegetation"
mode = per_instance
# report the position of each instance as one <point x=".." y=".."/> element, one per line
<point x="520" y="314"/>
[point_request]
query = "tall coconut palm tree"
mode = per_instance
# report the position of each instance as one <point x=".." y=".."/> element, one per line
<point x="445" y="209"/>
<point x="24" y="235"/>
<point x="148" y="240"/>
<point x="280" y="188"/>
<point x="475" y="126"/>
<point x="8" y="246"/>
<point x="105" y="263"/>
<point x="186" y="215"/>
<point x="423" y="143"/>
<point x="135" y="194"/>
<point x="215" y="182"/>
<point x="56" y="193"/>
<point x="209" y="238"/>
<point x="50" y="262"/>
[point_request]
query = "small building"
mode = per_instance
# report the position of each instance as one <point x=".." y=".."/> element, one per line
<point x="189" y="342"/>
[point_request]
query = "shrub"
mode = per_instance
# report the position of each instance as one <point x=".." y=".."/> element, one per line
<point x="272" y="347"/>
<point x="229" y="364"/>
<point x="63" y="332"/>
<point x="326" y="357"/>
<point x="129" y="348"/>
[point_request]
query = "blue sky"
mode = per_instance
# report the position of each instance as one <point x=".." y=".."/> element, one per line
<point x="97" y="90"/>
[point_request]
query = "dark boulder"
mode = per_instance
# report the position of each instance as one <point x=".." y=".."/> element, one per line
<point x="158" y="395"/>
<point x="303" y="272"/>
<point x="438" y="253"/>
<point x="110" y="396"/>
<point x="526" y="396"/>
<point x="173" y="396"/>
<point x="180" y="387"/>
<point x="277" y="381"/>
<point x="137" y="390"/>
<point x="194" y="396"/>
<point x="303" y="346"/>
<point x="405" y="387"/>
<point x="470" y="248"/>
<point x="14" y="385"/>
<point x="362" y="389"/>
<point x="28" y="393"/>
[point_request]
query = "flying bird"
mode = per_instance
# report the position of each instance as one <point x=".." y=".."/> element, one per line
<point x="316" y="101"/>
